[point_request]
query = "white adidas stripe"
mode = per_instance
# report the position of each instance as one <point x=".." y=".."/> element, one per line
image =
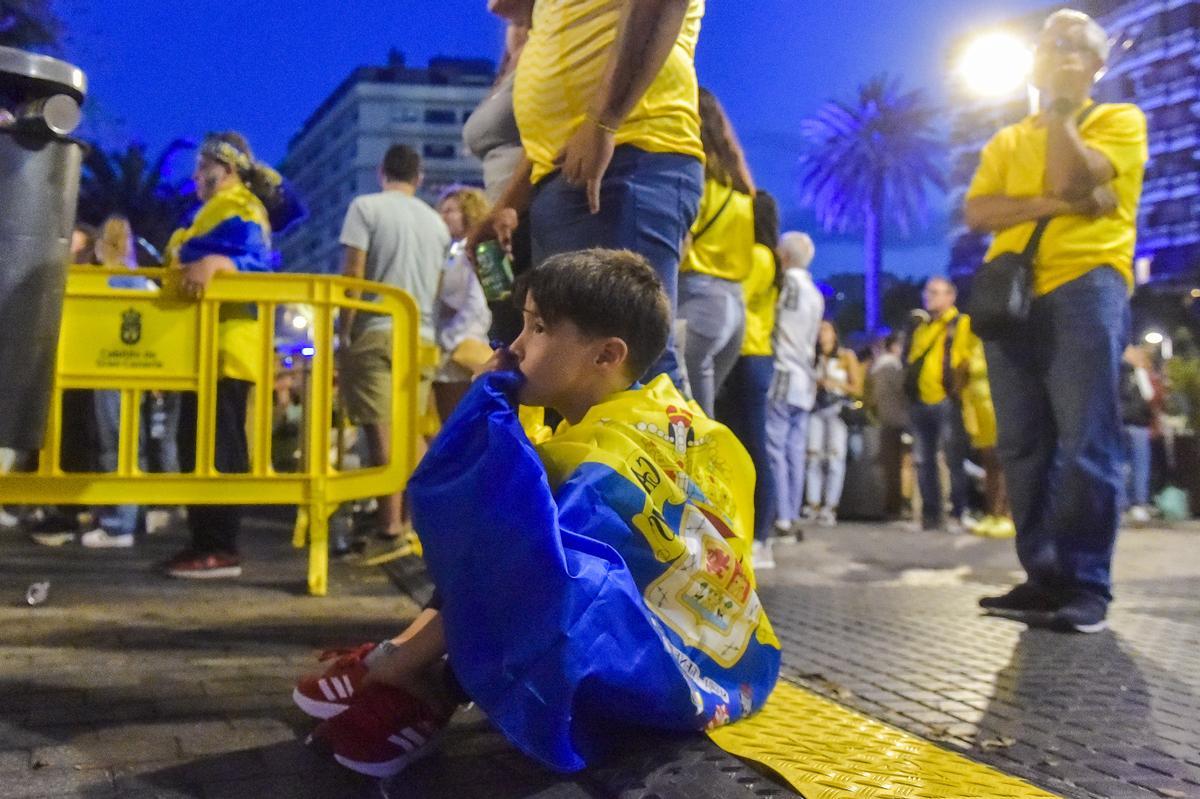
<point x="403" y="743"/>
<point x="349" y="686"/>
<point x="329" y="694"/>
<point x="412" y="735"/>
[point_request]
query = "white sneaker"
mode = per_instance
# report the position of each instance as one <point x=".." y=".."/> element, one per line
<point x="809" y="514"/>
<point x="7" y="520"/>
<point x="762" y="555"/>
<point x="1138" y="514"/>
<point x="52" y="539"/>
<point x="827" y="517"/>
<point x="157" y="520"/>
<point x="100" y="539"/>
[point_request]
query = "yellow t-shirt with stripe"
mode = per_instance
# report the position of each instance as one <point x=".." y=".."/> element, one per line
<point x="760" y="294"/>
<point x="1013" y="164"/>
<point x="561" y="69"/>
<point x="722" y="235"/>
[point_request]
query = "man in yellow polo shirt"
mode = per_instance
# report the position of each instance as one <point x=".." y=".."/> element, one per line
<point x="606" y="102"/>
<point x="938" y="350"/>
<point x="1055" y="383"/>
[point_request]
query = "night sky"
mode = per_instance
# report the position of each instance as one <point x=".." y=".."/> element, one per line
<point x="160" y="70"/>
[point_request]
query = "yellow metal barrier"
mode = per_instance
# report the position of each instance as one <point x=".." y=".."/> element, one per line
<point x="139" y="340"/>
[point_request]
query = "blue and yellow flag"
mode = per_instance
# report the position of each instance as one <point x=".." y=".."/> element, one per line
<point x="601" y="579"/>
<point x="233" y="223"/>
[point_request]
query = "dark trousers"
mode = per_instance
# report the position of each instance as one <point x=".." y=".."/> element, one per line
<point x="648" y="202"/>
<point x="935" y="428"/>
<point x="1059" y="421"/>
<point x="743" y="407"/>
<point x="891" y="458"/>
<point x="215" y="527"/>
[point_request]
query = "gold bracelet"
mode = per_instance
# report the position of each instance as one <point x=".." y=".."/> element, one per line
<point x="595" y="120"/>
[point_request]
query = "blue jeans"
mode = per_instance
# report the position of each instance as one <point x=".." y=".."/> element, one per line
<point x="828" y="440"/>
<point x="115" y="519"/>
<point x="1056" y="396"/>
<point x="743" y="406"/>
<point x="1137" y="457"/>
<point x="648" y="202"/>
<point x="716" y="324"/>
<point x="939" y="427"/>
<point x="787" y="446"/>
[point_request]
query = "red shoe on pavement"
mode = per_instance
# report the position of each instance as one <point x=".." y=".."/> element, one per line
<point x="383" y="732"/>
<point x="204" y="566"/>
<point x="324" y="696"/>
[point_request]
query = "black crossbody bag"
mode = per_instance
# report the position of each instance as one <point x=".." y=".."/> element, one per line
<point x="1002" y="289"/>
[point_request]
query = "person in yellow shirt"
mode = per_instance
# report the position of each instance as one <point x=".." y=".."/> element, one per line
<point x="605" y="98"/>
<point x="938" y="349"/>
<point x="717" y="259"/>
<point x="979" y="420"/>
<point x="1080" y="165"/>
<point x="742" y="404"/>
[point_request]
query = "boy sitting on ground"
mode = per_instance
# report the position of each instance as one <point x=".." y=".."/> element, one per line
<point x="600" y="580"/>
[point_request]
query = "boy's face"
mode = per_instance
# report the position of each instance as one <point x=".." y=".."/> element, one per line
<point x="560" y="364"/>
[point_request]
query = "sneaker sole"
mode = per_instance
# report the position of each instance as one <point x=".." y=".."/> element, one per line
<point x="387" y="768"/>
<point x="123" y="543"/>
<point x="52" y="539"/>
<point x="1038" y="618"/>
<point x="1085" y="629"/>
<point x="316" y="708"/>
<point x="207" y="574"/>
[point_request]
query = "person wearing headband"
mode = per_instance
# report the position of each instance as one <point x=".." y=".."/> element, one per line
<point x="231" y="232"/>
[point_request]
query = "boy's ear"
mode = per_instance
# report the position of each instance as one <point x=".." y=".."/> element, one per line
<point x="612" y="352"/>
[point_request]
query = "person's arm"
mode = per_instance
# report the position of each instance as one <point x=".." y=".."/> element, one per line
<point x="1073" y="170"/>
<point x="354" y="264"/>
<point x="502" y="220"/>
<point x="995" y="212"/>
<point x="647" y="31"/>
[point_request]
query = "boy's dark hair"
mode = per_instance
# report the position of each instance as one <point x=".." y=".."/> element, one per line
<point x="401" y="163"/>
<point x="605" y="293"/>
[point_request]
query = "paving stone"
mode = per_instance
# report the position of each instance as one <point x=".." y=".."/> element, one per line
<point x="57" y="782"/>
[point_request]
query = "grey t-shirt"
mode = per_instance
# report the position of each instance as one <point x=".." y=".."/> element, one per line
<point x="491" y="134"/>
<point x="406" y="244"/>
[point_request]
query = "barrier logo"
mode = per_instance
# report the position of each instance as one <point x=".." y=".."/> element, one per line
<point x="131" y="327"/>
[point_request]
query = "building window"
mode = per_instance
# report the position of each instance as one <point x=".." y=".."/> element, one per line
<point x="441" y="151"/>
<point x="440" y="116"/>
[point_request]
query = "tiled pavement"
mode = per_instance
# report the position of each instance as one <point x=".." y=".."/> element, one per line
<point x="124" y="684"/>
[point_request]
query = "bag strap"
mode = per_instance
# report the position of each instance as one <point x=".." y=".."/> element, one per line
<point x="715" y="216"/>
<point x="1035" y="239"/>
<point x="932" y="344"/>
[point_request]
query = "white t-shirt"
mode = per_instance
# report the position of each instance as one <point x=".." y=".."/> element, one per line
<point x="798" y="315"/>
<point x="406" y="244"/>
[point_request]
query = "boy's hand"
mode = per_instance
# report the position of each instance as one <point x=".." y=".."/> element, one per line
<point x="502" y="360"/>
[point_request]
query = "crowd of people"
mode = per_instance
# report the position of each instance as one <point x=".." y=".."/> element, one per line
<point x="621" y="269"/>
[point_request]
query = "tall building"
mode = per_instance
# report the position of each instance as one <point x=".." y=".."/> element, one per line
<point x="336" y="154"/>
<point x="1155" y="63"/>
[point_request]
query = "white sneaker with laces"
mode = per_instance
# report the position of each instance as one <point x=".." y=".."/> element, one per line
<point x="100" y="539"/>
<point x="762" y="555"/>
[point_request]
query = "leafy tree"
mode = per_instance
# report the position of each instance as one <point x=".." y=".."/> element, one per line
<point x="871" y="162"/>
<point x="28" y="24"/>
<point x="126" y="182"/>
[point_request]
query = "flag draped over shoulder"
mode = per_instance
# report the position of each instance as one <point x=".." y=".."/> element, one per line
<point x="602" y="578"/>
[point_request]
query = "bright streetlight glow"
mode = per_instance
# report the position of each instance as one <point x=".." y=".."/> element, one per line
<point x="995" y="64"/>
<point x="299" y="321"/>
<point x="1154" y="337"/>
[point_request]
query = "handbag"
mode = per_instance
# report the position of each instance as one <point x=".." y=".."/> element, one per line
<point x="1002" y="289"/>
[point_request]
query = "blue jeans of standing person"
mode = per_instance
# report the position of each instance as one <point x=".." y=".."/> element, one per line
<point x="828" y="440"/>
<point x="1137" y="457"/>
<point x="939" y="427"/>
<point x="716" y="324"/>
<point x="115" y="519"/>
<point x="787" y="446"/>
<point x="648" y="202"/>
<point x="743" y="407"/>
<point x="1056" y="394"/>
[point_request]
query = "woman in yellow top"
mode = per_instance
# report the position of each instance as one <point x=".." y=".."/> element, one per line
<point x="979" y="419"/>
<point x="718" y="258"/>
<point x="742" y="404"/>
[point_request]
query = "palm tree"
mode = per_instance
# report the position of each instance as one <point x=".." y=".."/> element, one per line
<point x="869" y="163"/>
<point x="28" y="23"/>
<point x="125" y="182"/>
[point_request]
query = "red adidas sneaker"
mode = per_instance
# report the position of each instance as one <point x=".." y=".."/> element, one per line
<point x="383" y="732"/>
<point x="329" y="694"/>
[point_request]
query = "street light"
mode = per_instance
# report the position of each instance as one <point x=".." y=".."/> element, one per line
<point x="1154" y="338"/>
<point x="995" y="65"/>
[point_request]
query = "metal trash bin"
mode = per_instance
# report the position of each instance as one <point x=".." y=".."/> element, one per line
<point x="39" y="189"/>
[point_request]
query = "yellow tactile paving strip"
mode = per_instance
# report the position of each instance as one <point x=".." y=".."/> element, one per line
<point x="826" y="751"/>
